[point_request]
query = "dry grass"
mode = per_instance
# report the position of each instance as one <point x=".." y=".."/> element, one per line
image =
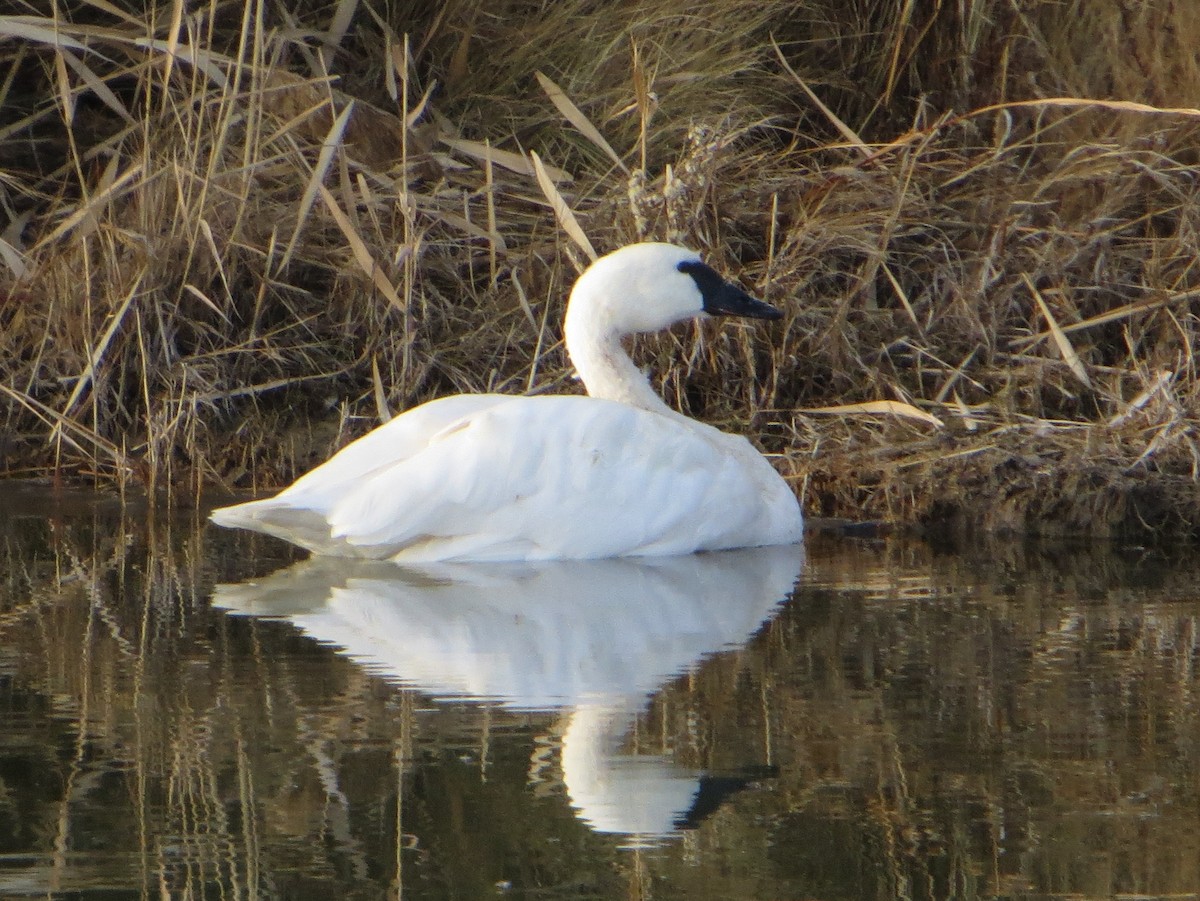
<point x="231" y="243"/>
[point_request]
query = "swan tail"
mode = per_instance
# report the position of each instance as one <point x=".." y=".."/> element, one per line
<point x="306" y="528"/>
<point x="238" y="516"/>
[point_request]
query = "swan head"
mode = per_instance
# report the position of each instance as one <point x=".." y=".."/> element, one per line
<point x="650" y="286"/>
<point x="642" y="288"/>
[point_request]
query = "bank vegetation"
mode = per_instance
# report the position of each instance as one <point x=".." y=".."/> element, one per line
<point x="235" y="236"/>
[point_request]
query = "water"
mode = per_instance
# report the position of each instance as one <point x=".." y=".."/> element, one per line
<point x="186" y="712"/>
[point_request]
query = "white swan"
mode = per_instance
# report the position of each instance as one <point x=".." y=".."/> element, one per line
<point x="497" y="477"/>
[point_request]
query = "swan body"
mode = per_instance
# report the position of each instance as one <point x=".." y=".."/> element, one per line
<point x="497" y="477"/>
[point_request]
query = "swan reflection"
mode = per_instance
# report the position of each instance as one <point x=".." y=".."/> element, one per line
<point x="592" y="639"/>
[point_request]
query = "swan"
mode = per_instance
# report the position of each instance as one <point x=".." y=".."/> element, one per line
<point x="491" y="477"/>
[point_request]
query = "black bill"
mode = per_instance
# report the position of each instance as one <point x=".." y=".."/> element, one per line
<point x="721" y="298"/>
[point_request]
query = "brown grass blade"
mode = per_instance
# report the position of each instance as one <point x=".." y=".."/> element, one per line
<point x="38" y="30"/>
<point x="219" y="264"/>
<point x="902" y="296"/>
<point x="114" y="11"/>
<point x="562" y="212"/>
<point x="964" y="412"/>
<point x="62" y="425"/>
<point x="91" y="221"/>
<point x="211" y="64"/>
<point x="329" y="146"/>
<point x="901" y="38"/>
<point x="877" y="408"/>
<point x="381" y="406"/>
<point x="89" y="372"/>
<point x="13" y="259"/>
<point x="172" y="41"/>
<point x="1162" y="380"/>
<point x="1070" y="357"/>
<point x="489" y="193"/>
<point x="1117" y="106"/>
<point x="66" y="97"/>
<point x="206" y="300"/>
<point x="343" y="15"/>
<point x="359" y="248"/>
<point x="93" y="204"/>
<point x="96" y="84"/>
<point x="1117" y="313"/>
<point x="514" y="162"/>
<point x="845" y="130"/>
<point x="575" y="116"/>
<point x="523" y="300"/>
<point x="57" y="34"/>
<point x="494" y="238"/>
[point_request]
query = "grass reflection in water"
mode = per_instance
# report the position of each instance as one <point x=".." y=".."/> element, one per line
<point x="912" y="722"/>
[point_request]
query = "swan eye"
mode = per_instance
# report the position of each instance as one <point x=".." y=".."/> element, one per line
<point x="705" y="277"/>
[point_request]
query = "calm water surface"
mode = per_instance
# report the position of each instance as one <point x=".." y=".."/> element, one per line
<point x="186" y="712"/>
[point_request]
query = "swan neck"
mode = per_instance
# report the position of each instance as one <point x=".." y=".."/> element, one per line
<point x="607" y="371"/>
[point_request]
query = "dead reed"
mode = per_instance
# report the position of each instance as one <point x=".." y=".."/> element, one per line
<point x="235" y="237"/>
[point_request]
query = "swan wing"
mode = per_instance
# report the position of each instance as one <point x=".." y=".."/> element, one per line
<point x="391" y="443"/>
<point x="300" y="512"/>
